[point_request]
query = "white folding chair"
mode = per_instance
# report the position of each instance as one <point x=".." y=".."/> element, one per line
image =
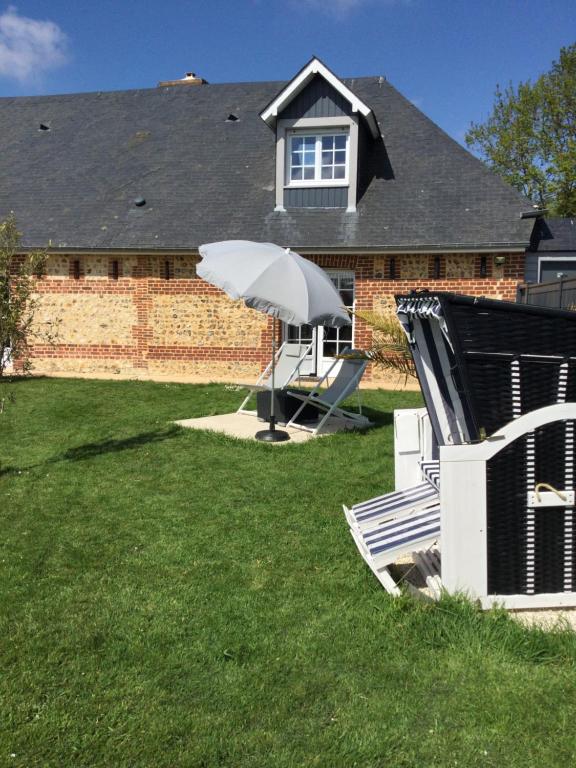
<point x="327" y="401"/>
<point x="289" y="359"/>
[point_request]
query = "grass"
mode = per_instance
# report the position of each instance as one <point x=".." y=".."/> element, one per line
<point x="171" y="598"/>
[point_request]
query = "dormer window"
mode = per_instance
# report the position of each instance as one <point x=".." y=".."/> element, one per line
<point x="322" y="129"/>
<point x="317" y="159"/>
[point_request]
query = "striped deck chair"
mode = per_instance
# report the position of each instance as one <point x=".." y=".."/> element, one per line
<point x="380" y="509"/>
<point x="431" y="472"/>
<point x="382" y="545"/>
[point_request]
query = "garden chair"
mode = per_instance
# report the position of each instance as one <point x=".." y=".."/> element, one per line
<point x="380" y="509"/>
<point x="289" y="359"/>
<point x="383" y="544"/>
<point x="327" y="401"/>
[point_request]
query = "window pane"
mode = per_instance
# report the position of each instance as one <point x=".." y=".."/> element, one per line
<point x="296" y="158"/>
<point x="340" y="141"/>
<point x="308" y="173"/>
<point x="346" y="333"/>
<point x="300" y="334"/>
<point x="330" y="334"/>
<point x="327" y="142"/>
<point x="326" y="158"/>
<point x="297" y="142"/>
<point x="327" y="173"/>
<point x="347" y="298"/>
<point x="309" y="158"/>
<point x="340" y="158"/>
<point x="292" y="333"/>
<point x="339" y="171"/>
<point x="310" y="142"/>
<point x="296" y="174"/>
<point x="346" y="282"/>
<point x="330" y="349"/>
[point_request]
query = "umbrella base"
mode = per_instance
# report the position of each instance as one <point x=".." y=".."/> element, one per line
<point x="272" y="435"/>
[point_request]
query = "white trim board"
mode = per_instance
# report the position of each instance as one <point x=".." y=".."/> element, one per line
<point x="298" y="83"/>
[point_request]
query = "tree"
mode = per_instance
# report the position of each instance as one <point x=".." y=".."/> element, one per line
<point x="530" y="137"/>
<point x="18" y="302"/>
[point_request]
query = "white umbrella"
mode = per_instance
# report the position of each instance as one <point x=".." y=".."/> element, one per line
<point x="276" y="281"/>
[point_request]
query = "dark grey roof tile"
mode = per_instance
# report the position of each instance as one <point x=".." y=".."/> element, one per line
<point x="207" y="179"/>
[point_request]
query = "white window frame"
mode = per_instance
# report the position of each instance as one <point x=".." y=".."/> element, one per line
<point x="317" y="135"/>
<point x="311" y="126"/>
<point x="551" y="258"/>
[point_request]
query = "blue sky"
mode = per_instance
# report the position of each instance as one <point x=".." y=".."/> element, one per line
<point x="445" y="55"/>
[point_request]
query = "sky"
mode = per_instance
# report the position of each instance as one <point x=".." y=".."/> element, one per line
<point x="447" y="56"/>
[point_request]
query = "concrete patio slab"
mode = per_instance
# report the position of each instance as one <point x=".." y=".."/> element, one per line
<point x="245" y="426"/>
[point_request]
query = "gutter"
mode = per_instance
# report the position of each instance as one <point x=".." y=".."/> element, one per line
<point x="308" y="249"/>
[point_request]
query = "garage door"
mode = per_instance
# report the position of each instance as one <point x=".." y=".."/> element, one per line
<point x="554" y="270"/>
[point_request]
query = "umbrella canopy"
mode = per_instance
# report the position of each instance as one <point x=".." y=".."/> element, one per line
<point x="273" y="280"/>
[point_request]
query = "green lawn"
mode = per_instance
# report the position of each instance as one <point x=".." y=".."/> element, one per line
<point x="177" y="598"/>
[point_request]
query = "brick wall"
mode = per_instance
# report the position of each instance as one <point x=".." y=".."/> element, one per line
<point x="150" y="316"/>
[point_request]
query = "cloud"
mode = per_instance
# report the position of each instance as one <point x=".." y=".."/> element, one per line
<point x="29" y="47"/>
<point x="344" y="7"/>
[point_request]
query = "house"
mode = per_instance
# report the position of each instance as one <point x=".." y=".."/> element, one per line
<point x="552" y="252"/>
<point x="125" y="186"/>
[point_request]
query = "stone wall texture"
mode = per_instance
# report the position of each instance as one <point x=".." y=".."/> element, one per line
<point x="151" y="316"/>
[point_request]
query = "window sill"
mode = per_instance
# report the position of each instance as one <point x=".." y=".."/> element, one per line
<point x="316" y="184"/>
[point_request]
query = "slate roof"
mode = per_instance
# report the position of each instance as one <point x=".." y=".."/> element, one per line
<point x="206" y="179"/>
<point x="554" y="234"/>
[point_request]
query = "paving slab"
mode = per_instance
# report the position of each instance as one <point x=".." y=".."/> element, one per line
<point x="245" y="426"/>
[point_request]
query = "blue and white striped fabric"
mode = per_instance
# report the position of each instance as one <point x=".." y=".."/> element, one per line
<point x="381" y="508"/>
<point x="431" y="472"/>
<point x="383" y="545"/>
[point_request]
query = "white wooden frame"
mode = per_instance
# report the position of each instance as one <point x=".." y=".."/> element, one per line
<point x="301" y="80"/>
<point x="463" y="506"/>
<point x="412" y="444"/>
<point x="317" y="181"/>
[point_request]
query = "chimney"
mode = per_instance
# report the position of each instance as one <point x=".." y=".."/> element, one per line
<point x="190" y="78"/>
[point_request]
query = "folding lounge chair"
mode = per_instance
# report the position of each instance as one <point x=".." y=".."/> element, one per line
<point x="391" y="505"/>
<point x="405" y="522"/>
<point x="289" y="358"/>
<point x="327" y="401"/>
<point x="382" y="545"/>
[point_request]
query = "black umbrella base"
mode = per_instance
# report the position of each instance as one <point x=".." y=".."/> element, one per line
<point x="272" y="435"/>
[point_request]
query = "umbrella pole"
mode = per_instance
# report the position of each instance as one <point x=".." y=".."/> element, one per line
<point x="272" y="435"/>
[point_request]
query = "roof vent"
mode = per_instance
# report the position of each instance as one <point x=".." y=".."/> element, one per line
<point x="190" y="78"/>
<point x="232" y="118"/>
<point x="139" y="202"/>
<point x="43" y="127"/>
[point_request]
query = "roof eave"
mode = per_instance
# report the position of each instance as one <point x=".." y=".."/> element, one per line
<point x="511" y="247"/>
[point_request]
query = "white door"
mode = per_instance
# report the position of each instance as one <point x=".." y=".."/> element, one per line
<point x="328" y="342"/>
<point x="332" y="341"/>
<point x="303" y="334"/>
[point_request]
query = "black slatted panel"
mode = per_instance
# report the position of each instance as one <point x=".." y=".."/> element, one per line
<point x="571" y="384"/>
<point x="550" y="455"/>
<point x="506" y="520"/>
<point x="511" y="328"/>
<point x="549" y="550"/>
<point x="491" y="379"/>
<point x="538" y="384"/>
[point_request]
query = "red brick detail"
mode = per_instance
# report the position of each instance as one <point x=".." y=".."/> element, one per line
<point x="146" y="281"/>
